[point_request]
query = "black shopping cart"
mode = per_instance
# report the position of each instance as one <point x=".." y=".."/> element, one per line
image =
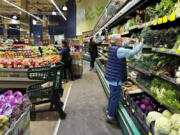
<point x="49" y="90"/>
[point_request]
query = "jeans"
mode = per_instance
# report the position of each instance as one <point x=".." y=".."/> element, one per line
<point x="115" y="93"/>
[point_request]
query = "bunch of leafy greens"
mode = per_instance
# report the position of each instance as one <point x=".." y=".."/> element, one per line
<point x="166" y="93"/>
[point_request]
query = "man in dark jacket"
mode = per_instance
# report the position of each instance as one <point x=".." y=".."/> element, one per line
<point x="116" y="72"/>
<point x="93" y="53"/>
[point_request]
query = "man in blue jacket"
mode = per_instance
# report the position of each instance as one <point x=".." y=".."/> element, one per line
<point x="116" y="72"/>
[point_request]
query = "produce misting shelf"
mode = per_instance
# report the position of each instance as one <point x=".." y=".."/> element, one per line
<point x="127" y="124"/>
<point x="166" y="51"/>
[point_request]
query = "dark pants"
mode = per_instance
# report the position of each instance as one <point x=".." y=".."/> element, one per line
<point x="68" y="70"/>
<point x="92" y="61"/>
<point x="115" y="93"/>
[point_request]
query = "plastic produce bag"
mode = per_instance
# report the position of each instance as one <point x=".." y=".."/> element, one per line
<point x="138" y="56"/>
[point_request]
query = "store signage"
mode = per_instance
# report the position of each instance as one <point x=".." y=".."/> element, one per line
<point x="160" y="20"/>
<point x="154" y="22"/>
<point x="165" y="19"/>
<point x="173" y="17"/>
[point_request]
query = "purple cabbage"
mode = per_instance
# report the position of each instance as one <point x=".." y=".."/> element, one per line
<point x="143" y="107"/>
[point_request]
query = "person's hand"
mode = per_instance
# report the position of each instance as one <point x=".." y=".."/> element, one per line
<point x="142" y="40"/>
<point x="133" y="40"/>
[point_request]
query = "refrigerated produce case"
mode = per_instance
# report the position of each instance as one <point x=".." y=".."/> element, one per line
<point x="155" y="72"/>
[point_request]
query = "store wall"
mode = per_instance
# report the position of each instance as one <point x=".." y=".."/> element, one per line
<point x="88" y="12"/>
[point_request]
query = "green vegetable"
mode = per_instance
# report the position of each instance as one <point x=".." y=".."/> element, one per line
<point x="152" y="116"/>
<point x="163" y="125"/>
<point x="167" y="114"/>
<point x="173" y="132"/>
<point x="175" y="120"/>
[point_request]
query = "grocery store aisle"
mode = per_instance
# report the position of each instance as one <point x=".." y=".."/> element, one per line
<point x="85" y="108"/>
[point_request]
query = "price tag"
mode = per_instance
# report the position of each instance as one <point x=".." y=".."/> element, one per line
<point x="149" y="133"/>
<point x="172" y="17"/>
<point x="153" y="49"/>
<point x="133" y="110"/>
<point x="163" y="49"/>
<point x="127" y="103"/>
<point x="21" y="57"/>
<point x="178" y="51"/>
<point x="154" y="22"/>
<point x="160" y="20"/>
<point x="165" y="19"/>
<point x="106" y="54"/>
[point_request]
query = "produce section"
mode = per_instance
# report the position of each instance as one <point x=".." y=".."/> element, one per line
<point x="153" y="85"/>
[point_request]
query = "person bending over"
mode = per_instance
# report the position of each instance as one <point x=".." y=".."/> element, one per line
<point x="116" y="72"/>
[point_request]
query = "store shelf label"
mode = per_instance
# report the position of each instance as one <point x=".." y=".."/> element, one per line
<point x="153" y="49"/>
<point x="149" y="133"/>
<point x="172" y="17"/>
<point x="160" y="20"/>
<point x="165" y="19"/>
<point x="127" y="103"/>
<point x="163" y="49"/>
<point x="21" y="57"/>
<point x="133" y="110"/>
<point x="155" y="22"/>
<point x="178" y="51"/>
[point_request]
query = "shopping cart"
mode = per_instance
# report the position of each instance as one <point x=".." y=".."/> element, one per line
<point x="49" y="89"/>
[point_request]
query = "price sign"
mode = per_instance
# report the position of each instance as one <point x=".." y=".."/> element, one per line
<point x="133" y="110"/>
<point x="163" y="49"/>
<point x="153" y="49"/>
<point x="178" y="51"/>
<point x="160" y="20"/>
<point x="127" y="103"/>
<point x="165" y="19"/>
<point x="21" y="57"/>
<point x="106" y="54"/>
<point x="149" y="133"/>
<point x="154" y="22"/>
<point x="172" y="17"/>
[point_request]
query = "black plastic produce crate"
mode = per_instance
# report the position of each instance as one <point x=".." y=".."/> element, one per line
<point x="129" y="101"/>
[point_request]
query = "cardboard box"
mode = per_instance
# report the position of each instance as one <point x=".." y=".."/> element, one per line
<point x="76" y="55"/>
<point x="77" y="69"/>
<point x="75" y="43"/>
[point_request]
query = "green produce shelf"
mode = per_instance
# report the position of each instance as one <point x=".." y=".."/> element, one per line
<point x="124" y="119"/>
<point x="149" y="93"/>
<point x="166" y="51"/>
<point x="140" y="70"/>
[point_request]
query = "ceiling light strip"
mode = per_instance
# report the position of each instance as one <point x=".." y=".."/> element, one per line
<point x="13" y="20"/>
<point x="21" y="9"/>
<point x="58" y="9"/>
<point x="120" y="13"/>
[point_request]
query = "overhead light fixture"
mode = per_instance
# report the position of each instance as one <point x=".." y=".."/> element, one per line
<point x="58" y="9"/>
<point x="15" y="17"/>
<point x="54" y="13"/>
<point x="64" y="8"/>
<point x="21" y="9"/>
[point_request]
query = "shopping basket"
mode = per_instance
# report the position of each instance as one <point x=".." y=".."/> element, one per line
<point x="50" y="93"/>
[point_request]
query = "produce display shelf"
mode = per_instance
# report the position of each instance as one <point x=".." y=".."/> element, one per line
<point x="149" y="93"/>
<point x="155" y="22"/>
<point x="150" y="73"/>
<point x="140" y="70"/>
<point x="16" y="82"/>
<point x="102" y="55"/>
<point x="22" y="124"/>
<point x="128" y="126"/>
<point x="12" y="70"/>
<point x="125" y="33"/>
<point x="166" y="51"/>
<point x="16" y="50"/>
<point x="165" y="77"/>
<point x="144" y="47"/>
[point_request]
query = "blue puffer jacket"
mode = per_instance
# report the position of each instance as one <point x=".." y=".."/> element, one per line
<point x="115" y="68"/>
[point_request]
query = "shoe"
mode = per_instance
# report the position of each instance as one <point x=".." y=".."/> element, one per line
<point x="62" y="115"/>
<point x="112" y="121"/>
